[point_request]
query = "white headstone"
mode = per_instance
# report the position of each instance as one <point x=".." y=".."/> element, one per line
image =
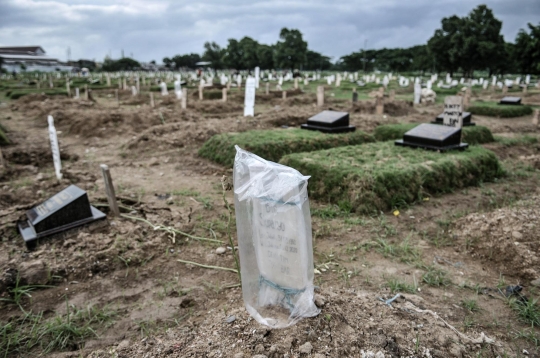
<point x="527" y="79"/>
<point x="249" y="100"/>
<point x="239" y="80"/>
<point x="417" y="93"/>
<point x="274" y="239"/>
<point x="163" y="87"/>
<point x="257" y="76"/>
<point x="453" y="111"/>
<point x="133" y="90"/>
<point x="76" y="92"/>
<point x="385" y="81"/>
<point x="55" y="148"/>
<point x="494" y="81"/>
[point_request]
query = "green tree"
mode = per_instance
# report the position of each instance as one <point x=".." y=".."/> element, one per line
<point x="446" y="45"/>
<point x="291" y="50"/>
<point x="316" y="61"/>
<point x="527" y="50"/>
<point x="123" y="64"/>
<point x="167" y="62"/>
<point x="214" y="54"/>
<point x="265" y="53"/>
<point x="187" y="60"/>
<point x="233" y="55"/>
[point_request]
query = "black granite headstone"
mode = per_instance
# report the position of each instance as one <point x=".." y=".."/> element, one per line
<point x="434" y="137"/>
<point x="329" y="122"/>
<point x="66" y="210"/>
<point x="465" y="115"/>
<point x="511" y="100"/>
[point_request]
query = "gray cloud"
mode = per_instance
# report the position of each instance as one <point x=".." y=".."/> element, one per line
<point x="154" y="29"/>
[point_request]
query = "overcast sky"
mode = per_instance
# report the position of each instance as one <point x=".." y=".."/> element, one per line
<point x="153" y="29"/>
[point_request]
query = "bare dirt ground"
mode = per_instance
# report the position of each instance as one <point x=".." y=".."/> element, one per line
<point x="451" y="257"/>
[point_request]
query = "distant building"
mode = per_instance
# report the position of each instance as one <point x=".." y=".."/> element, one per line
<point x="30" y="58"/>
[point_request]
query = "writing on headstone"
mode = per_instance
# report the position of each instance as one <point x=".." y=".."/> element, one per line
<point x="453" y="111"/>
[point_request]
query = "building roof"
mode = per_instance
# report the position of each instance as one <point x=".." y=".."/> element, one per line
<point x="22" y="50"/>
<point x="26" y="57"/>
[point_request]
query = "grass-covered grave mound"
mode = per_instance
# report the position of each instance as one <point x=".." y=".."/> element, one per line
<point x="472" y="134"/>
<point x="380" y="176"/>
<point x="274" y="144"/>
<point x="492" y="109"/>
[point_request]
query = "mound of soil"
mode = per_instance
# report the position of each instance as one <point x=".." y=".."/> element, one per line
<point x="288" y="116"/>
<point x="392" y="108"/>
<point x="507" y="237"/>
<point x="351" y="324"/>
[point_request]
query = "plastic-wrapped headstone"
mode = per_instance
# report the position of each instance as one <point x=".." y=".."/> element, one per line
<point x="274" y="235"/>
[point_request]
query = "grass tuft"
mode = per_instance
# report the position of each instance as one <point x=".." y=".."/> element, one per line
<point x="381" y="176"/>
<point x="274" y="144"/>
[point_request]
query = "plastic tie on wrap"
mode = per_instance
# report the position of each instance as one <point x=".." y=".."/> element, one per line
<point x="275" y="243"/>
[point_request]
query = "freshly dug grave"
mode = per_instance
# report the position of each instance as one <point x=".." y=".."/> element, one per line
<point x="352" y="323"/>
<point x="274" y="144"/>
<point x="507" y="237"/>
<point x="380" y="176"/>
<point x="392" y="108"/>
<point x="471" y="134"/>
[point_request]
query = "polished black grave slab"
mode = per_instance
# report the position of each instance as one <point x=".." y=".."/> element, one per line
<point x="433" y="137"/>
<point x="511" y="100"/>
<point x="66" y="210"/>
<point x="466" y="119"/>
<point x="329" y="122"/>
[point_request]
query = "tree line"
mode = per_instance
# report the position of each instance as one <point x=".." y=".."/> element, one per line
<point x="462" y="44"/>
<point x="290" y="52"/>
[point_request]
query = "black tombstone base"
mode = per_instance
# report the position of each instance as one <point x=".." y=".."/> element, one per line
<point x="66" y="210"/>
<point x="466" y="119"/>
<point x="433" y="137"/>
<point x="516" y="101"/>
<point x="329" y="122"/>
<point x="329" y="129"/>
<point x="460" y="146"/>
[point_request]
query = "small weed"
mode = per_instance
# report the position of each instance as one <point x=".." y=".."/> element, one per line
<point x="470" y="305"/>
<point x="468" y="322"/>
<point x="435" y="277"/>
<point x="18" y="293"/>
<point x="529" y="335"/>
<point x="397" y="286"/>
<point x="527" y="311"/>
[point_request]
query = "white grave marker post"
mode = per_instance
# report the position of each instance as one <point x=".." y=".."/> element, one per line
<point x="274" y="239"/>
<point x="55" y="148"/>
<point x="152" y="103"/>
<point x="133" y="90"/>
<point x="249" y="102"/>
<point x="184" y="98"/>
<point x="320" y="96"/>
<point x="163" y="87"/>
<point x="224" y="94"/>
<point x="527" y="79"/>
<point x="428" y="84"/>
<point x="178" y="89"/>
<point x="77" y="93"/>
<point x="257" y="76"/>
<point x="68" y="90"/>
<point x="453" y="111"/>
<point x="417" y="93"/>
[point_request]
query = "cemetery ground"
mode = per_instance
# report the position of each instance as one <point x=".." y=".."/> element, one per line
<point x="119" y="290"/>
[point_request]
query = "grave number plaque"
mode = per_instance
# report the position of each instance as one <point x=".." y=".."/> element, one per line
<point x="516" y="101"/>
<point x="433" y="137"/>
<point x="466" y="116"/>
<point x="329" y="122"/>
<point x="275" y="243"/>
<point x="68" y="209"/>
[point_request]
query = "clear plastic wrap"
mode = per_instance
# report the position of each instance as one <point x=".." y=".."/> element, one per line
<point x="274" y="236"/>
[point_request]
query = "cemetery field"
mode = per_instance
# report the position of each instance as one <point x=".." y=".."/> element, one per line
<point x="159" y="280"/>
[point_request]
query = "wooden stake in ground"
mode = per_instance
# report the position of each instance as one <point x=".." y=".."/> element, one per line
<point x="467" y="97"/>
<point x="392" y="95"/>
<point x="284" y="94"/>
<point x="117" y="99"/>
<point x="296" y="83"/>
<point x="379" y="107"/>
<point x="320" y="96"/>
<point x="109" y="190"/>
<point x="535" y="117"/>
<point x="184" y="98"/>
<point x="504" y="89"/>
<point x="86" y="92"/>
<point x="381" y="91"/>
<point x="224" y="94"/>
<point x="267" y="89"/>
<point x="354" y="95"/>
<point x="108" y="79"/>
<point x="201" y="93"/>
<point x="119" y="83"/>
<point x="152" y="103"/>
<point x="525" y="89"/>
<point x="124" y="87"/>
<point x="55" y="148"/>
